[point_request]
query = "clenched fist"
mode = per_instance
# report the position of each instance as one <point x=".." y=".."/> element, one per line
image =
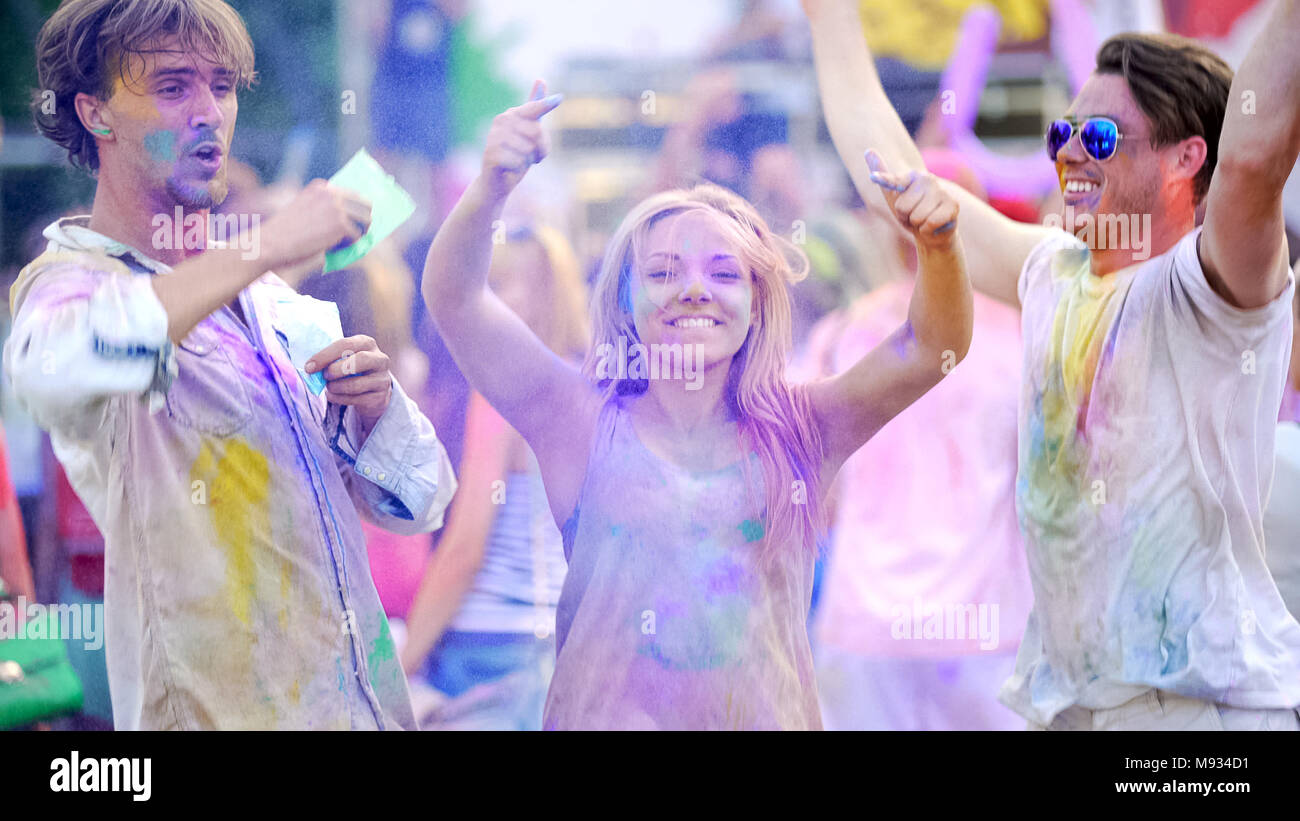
<point x="320" y="217"/>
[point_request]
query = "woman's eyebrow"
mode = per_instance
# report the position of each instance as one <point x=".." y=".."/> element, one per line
<point x="677" y="258"/>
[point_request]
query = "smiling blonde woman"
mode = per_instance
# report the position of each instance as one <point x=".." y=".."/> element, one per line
<point x="689" y="516"/>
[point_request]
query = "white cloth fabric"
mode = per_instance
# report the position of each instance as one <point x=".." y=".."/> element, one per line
<point x="1159" y="710"/>
<point x="1147" y="420"/>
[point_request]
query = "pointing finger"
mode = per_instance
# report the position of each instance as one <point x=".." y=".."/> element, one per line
<point x="536" y="109"/>
<point x="880" y="174"/>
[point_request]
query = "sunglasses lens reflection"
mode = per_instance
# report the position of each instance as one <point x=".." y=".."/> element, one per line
<point x="1058" y="134"/>
<point x="1099" y="138"/>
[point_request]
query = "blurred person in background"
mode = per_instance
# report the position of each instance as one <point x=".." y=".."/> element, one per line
<point x="924" y="522"/>
<point x="411" y="101"/>
<point x="15" y="570"/>
<point x="482" y="629"/>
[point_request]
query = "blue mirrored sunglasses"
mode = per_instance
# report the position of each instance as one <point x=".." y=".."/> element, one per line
<point x="1099" y="137"/>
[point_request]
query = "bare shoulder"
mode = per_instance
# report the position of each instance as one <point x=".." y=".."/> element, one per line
<point x="563" y="448"/>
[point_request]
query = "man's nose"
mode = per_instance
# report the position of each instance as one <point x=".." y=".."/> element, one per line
<point x="207" y="109"/>
<point x="1072" y="152"/>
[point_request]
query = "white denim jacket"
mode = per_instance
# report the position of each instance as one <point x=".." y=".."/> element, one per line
<point x="237" y="592"/>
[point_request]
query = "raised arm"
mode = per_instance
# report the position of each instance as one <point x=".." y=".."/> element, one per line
<point x="860" y="117"/>
<point x="292" y="243"/>
<point x="543" y="397"/>
<point x="88" y="333"/>
<point x="1243" y="243"/>
<point x="451" y="571"/>
<point x="852" y="406"/>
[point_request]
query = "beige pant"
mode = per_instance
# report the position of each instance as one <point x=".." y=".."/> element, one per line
<point x="1160" y="710"/>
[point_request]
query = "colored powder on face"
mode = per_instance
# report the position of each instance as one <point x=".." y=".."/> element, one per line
<point x="161" y="145"/>
<point x="752" y="529"/>
<point x="239" y="481"/>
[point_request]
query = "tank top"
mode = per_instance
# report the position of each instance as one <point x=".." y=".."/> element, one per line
<point x="667" y="618"/>
<point x="518" y="585"/>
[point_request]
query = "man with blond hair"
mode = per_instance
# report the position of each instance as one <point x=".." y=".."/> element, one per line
<point x="238" y="594"/>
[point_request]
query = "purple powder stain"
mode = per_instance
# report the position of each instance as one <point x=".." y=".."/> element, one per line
<point x="725" y="578"/>
<point x="903" y="340"/>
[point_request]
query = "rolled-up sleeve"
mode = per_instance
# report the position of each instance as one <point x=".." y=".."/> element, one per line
<point x="81" y="336"/>
<point x="401" y="478"/>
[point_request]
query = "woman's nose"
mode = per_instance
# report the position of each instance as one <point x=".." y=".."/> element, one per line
<point x="694" y="289"/>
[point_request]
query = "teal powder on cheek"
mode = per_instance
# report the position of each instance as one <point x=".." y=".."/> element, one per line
<point x="160" y="145"/>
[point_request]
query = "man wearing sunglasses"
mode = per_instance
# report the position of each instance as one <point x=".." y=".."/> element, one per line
<point x="1150" y="386"/>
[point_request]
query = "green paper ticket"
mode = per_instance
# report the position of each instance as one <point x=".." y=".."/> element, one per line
<point x="390" y="206"/>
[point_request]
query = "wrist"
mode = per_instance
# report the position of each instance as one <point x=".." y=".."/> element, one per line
<point x="483" y="196"/>
<point x="935" y="248"/>
<point x="368" y="418"/>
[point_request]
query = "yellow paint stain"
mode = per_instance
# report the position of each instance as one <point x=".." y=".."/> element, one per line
<point x="1078" y="333"/>
<point x="295" y="693"/>
<point x="1056" y="474"/>
<point x="238" y="481"/>
<point x="286" y="586"/>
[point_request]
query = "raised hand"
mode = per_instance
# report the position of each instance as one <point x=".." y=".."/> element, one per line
<point x="919" y="203"/>
<point x="516" y="141"/>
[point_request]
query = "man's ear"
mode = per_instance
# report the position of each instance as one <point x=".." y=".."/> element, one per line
<point x="1189" y="157"/>
<point x="94" y="115"/>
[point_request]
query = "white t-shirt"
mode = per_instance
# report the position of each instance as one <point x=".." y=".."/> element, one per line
<point x="1282" y="517"/>
<point x="1147" y="414"/>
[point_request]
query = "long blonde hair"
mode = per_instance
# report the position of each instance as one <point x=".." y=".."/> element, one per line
<point x="775" y="418"/>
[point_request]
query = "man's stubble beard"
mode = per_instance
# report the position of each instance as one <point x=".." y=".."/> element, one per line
<point x="198" y="197"/>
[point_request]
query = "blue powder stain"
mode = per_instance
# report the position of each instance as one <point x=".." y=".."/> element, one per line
<point x="751" y="529"/>
<point x="160" y="145"/>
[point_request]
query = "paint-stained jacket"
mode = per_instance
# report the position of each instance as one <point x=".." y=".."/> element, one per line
<point x="237" y="593"/>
